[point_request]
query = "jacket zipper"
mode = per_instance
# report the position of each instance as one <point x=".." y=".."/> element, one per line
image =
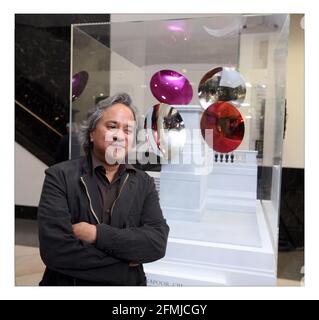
<point x="87" y="193"/>
<point x="119" y="193"/>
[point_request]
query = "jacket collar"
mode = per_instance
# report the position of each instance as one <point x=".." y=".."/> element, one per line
<point x="89" y="165"/>
<point x="96" y="163"/>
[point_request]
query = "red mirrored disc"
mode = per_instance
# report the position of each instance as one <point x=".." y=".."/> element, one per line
<point x="222" y="127"/>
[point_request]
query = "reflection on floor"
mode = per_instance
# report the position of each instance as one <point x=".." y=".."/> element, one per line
<point x="290" y="265"/>
<point x="29" y="267"/>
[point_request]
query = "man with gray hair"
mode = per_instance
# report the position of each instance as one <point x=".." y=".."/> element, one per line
<point x="99" y="217"/>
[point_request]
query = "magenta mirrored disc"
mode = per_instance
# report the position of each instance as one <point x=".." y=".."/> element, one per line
<point x="79" y="81"/>
<point x="171" y="87"/>
<point x="222" y="127"/>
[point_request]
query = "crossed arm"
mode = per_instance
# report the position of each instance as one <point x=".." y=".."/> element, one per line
<point x="85" y="231"/>
<point x="142" y="244"/>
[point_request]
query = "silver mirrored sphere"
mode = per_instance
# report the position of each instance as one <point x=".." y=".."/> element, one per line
<point x="165" y="130"/>
<point x="221" y="84"/>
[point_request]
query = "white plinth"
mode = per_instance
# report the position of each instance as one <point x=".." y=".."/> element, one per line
<point x="183" y="185"/>
<point x="233" y="186"/>
<point x="182" y="195"/>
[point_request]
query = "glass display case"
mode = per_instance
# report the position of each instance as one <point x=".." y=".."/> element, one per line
<point x="215" y="85"/>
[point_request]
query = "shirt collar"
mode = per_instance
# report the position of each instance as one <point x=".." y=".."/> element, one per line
<point x="96" y="163"/>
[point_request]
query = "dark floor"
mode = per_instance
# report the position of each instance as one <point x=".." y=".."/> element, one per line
<point x="26" y="232"/>
<point x="289" y="262"/>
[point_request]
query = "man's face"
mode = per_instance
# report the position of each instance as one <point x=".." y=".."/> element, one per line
<point x="114" y="134"/>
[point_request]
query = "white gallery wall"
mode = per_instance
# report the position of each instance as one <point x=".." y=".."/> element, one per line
<point x="28" y="178"/>
<point x="294" y="143"/>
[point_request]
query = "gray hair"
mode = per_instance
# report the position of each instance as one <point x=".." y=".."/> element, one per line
<point x="96" y="113"/>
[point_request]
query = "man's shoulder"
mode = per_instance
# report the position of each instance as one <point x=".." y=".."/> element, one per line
<point x="140" y="173"/>
<point x="144" y="177"/>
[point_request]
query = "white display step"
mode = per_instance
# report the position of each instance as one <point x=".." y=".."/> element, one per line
<point x="177" y="273"/>
<point x="222" y="261"/>
<point x="239" y="195"/>
<point x="218" y="227"/>
<point x="231" y="204"/>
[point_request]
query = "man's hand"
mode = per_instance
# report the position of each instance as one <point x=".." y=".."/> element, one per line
<point x="85" y="231"/>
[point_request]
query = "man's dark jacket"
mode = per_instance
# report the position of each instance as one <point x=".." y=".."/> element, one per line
<point x="137" y="232"/>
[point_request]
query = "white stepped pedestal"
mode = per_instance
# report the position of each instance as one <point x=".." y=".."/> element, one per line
<point x="223" y="261"/>
<point x="218" y="231"/>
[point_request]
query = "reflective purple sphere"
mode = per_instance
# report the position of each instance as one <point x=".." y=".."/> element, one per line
<point x="171" y="87"/>
<point x="79" y="81"/>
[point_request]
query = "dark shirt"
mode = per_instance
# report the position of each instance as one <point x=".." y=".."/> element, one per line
<point x="108" y="191"/>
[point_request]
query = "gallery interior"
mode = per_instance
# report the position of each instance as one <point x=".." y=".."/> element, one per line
<point x="235" y="219"/>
